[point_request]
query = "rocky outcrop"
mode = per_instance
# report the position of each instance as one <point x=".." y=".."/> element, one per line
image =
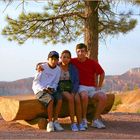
<point x="127" y="81"/>
<point x="22" y="86"/>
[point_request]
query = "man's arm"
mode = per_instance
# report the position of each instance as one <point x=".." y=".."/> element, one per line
<point x="99" y="81"/>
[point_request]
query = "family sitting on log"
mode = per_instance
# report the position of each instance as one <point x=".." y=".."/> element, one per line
<point x="74" y="79"/>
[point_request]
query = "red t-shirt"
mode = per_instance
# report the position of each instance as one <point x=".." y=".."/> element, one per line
<point x="87" y="71"/>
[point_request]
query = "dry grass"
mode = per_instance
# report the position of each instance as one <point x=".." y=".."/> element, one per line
<point x="127" y="102"/>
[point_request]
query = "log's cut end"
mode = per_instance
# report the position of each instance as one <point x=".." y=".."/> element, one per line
<point x="9" y="108"/>
<point x="21" y="107"/>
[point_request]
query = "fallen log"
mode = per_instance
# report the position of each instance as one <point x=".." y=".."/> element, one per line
<point x="27" y="107"/>
<point x="38" y="123"/>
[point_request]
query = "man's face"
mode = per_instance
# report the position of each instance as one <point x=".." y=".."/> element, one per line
<point x="81" y="53"/>
<point x="52" y="61"/>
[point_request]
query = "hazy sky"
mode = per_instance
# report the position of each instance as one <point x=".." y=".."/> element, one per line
<point x="18" y="61"/>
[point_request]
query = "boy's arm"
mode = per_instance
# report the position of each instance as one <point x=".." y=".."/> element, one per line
<point x="36" y="83"/>
<point x="56" y="81"/>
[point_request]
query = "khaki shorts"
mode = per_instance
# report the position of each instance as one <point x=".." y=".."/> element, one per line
<point x="90" y="90"/>
<point x="45" y="98"/>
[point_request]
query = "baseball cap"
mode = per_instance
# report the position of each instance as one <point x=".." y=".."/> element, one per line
<point x="53" y="54"/>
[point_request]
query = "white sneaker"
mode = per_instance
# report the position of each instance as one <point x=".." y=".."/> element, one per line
<point x="84" y="123"/>
<point x="57" y="126"/>
<point x="74" y="127"/>
<point x="98" y="124"/>
<point x="50" y="127"/>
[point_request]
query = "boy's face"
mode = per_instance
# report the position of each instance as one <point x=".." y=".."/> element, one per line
<point x="52" y="61"/>
<point x="81" y="53"/>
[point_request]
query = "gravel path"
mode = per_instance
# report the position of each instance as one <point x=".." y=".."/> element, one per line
<point x="118" y="126"/>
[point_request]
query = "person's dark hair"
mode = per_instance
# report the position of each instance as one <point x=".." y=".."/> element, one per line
<point x="66" y="51"/>
<point x="81" y="46"/>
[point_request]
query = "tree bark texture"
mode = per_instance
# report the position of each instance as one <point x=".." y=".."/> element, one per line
<point x="91" y="28"/>
<point x="27" y="107"/>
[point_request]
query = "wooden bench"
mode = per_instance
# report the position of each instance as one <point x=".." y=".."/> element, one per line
<point x="28" y="108"/>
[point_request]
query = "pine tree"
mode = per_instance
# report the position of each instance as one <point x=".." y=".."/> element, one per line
<point x="65" y="20"/>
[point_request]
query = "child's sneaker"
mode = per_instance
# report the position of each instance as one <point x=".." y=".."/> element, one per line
<point x="81" y="127"/>
<point x="98" y="124"/>
<point x="84" y="123"/>
<point x="57" y="126"/>
<point x="74" y="127"/>
<point x="50" y="127"/>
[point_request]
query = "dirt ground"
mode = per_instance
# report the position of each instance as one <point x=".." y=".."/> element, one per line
<point x="118" y="126"/>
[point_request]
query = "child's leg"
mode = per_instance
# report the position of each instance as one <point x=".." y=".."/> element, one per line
<point x="57" y="126"/>
<point x="79" y="112"/>
<point x="70" y="98"/>
<point x="47" y="100"/>
<point x="78" y="108"/>
<point x="57" y="109"/>
<point x="50" y="125"/>
<point x="50" y="110"/>
<point x="58" y="104"/>
<point x="84" y="103"/>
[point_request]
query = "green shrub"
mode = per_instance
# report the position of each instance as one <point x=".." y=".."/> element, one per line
<point x="138" y="111"/>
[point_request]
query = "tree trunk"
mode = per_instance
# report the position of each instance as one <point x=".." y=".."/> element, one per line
<point x="91" y="28"/>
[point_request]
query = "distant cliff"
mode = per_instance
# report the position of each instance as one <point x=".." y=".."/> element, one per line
<point x="22" y="86"/>
<point x="127" y="81"/>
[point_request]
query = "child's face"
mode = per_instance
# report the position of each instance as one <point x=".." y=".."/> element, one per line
<point x="52" y="61"/>
<point x="65" y="58"/>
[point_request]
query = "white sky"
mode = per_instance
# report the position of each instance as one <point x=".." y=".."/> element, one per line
<point x="18" y="61"/>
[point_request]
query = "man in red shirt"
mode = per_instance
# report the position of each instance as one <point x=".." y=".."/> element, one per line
<point x="90" y="87"/>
